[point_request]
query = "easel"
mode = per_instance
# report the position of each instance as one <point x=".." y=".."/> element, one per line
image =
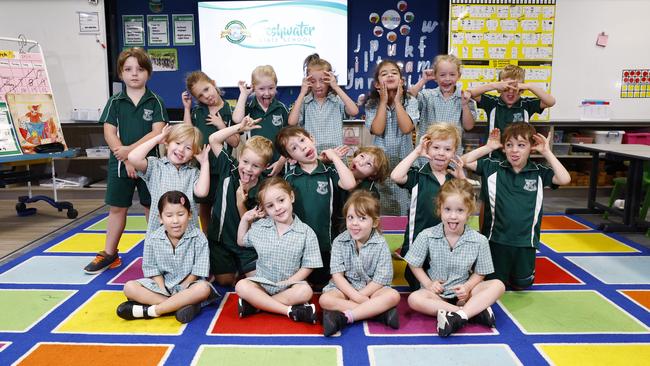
<point x="12" y="176"/>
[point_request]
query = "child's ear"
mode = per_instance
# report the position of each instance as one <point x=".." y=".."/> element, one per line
<point x="292" y="197"/>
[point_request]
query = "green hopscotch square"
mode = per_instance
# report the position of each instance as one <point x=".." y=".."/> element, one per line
<point x="133" y="223"/>
<point x="20" y="310"/>
<point x="268" y="355"/>
<point x="541" y="312"/>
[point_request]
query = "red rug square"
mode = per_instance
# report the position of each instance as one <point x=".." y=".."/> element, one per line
<point x="549" y="273"/>
<point x="227" y="321"/>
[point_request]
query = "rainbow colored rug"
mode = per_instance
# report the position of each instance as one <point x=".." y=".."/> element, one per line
<point x="590" y="305"/>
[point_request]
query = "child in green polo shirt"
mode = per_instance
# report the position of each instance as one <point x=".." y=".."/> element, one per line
<point x="210" y="115"/>
<point x="438" y="146"/>
<point x="130" y="118"/>
<point x="514" y="189"/>
<point x="315" y="184"/>
<point x="264" y="105"/>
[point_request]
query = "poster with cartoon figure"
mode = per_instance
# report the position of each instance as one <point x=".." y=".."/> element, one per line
<point x="35" y="119"/>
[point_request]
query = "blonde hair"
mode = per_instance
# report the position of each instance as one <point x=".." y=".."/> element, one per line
<point x="314" y="61"/>
<point x="140" y="55"/>
<point x="365" y="204"/>
<point x="182" y="131"/>
<point x="197" y="76"/>
<point x="381" y="161"/>
<point x="261" y="146"/>
<point x="443" y="131"/>
<point x="512" y="72"/>
<point x="272" y="182"/>
<point x="448" y="58"/>
<point x="460" y="187"/>
<point x="261" y="71"/>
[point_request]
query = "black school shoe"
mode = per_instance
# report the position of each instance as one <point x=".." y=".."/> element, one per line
<point x="303" y="313"/>
<point x="333" y="321"/>
<point x="485" y="317"/>
<point x="449" y="322"/>
<point x="187" y="313"/>
<point x="244" y="308"/>
<point x="389" y="318"/>
<point x="125" y="310"/>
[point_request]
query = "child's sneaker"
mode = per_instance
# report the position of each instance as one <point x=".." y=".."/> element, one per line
<point x="485" y="317"/>
<point x="333" y="321"/>
<point x="187" y="313"/>
<point x="244" y="308"/>
<point x="125" y="310"/>
<point x="103" y="262"/>
<point x="389" y="318"/>
<point x="449" y="322"/>
<point x="303" y="313"/>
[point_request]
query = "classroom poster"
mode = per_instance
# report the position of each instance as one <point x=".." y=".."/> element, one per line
<point x="22" y="73"/>
<point x="158" y="30"/>
<point x="183" y="25"/>
<point x="163" y="59"/>
<point x="133" y="30"/>
<point x="489" y="34"/>
<point x="9" y="144"/>
<point x="635" y="83"/>
<point x="35" y="118"/>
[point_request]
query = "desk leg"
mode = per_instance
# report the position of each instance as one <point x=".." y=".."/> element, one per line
<point x="632" y="200"/>
<point x="593" y="189"/>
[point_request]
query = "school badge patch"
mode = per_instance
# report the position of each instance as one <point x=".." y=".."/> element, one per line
<point x="322" y="188"/>
<point x="147" y="115"/>
<point x="277" y="120"/>
<point x="530" y="185"/>
<point x="518" y="117"/>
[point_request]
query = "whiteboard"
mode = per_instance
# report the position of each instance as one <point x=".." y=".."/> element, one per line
<point x="581" y="70"/>
<point x="76" y="63"/>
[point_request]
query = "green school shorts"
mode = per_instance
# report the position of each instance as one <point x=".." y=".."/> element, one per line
<point x="119" y="191"/>
<point x="514" y="266"/>
<point x="227" y="259"/>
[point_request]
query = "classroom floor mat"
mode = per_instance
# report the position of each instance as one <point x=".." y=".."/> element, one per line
<point x="442" y="355"/>
<point x="93" y="243"/>
<point x="548" y="272"/>
<point x="50" y="270"/>
<point x="95" y="354"/>
<point x="235" y="355"/>
<point x="21" y="309"/>
<point x="616" y="269"/>
<point x="133" y="271"/>
<point x="561" y="222"/>
<point x="133" y="223"/>
<point x="584" y="243"/>
<point x="596" y="354"/>
<point x="399" y="265"/>
<point x="640" y="297"/>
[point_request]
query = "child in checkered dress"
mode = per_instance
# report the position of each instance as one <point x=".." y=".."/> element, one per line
<point x="459" y="257"/>
<point x="362" y="270"/>
<point x="287" y="251"/>
<point x="175" y="263"/>
<point x="322" y="105"/>
<point x="174" y="171"/>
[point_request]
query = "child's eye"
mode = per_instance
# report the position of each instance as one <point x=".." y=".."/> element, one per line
<point x="281" y="200"/>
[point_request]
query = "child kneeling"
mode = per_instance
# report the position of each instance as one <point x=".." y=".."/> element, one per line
<point x="459" y="258"/>
<point x="362" y="270"/>
<point x="287" y="251"/>
<point x="175" y="261"/>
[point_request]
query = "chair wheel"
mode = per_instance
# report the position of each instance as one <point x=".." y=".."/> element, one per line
<point x="20" y="206"/>
<point x="72" y="213"/>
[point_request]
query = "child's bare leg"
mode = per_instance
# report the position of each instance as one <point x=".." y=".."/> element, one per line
<point x="427" y="302"/>
<point x="259" y="298"/>
<point x="226" y="279"/>
<point x="483" y="295"/>
<point x="136" y="292"/>
<point x="382" y="300"/>
<point x="294" y="295"/>
<point x="146" y="214"/>
<point x="336" y="300"/>
<point x="194" y="294"/>
<point x="114" y="228"/>
<point x="205" y="212"/>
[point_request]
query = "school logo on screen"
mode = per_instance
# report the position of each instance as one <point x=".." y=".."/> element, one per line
<point x="235" y="32"/>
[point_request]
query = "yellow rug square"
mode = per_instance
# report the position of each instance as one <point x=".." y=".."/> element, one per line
<point x="596" y="354"/>
<point x="584" y="243"/>
<point x="398" y="272"/>
<point x="93" y="243"/>
<point x="97" y="316"/>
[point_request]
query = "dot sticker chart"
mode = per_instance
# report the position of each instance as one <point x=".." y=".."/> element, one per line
<point x="635" y="83"/>
<point x="23" y="73"/>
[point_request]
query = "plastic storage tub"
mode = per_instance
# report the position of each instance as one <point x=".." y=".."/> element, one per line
<point x="642" y="138"/>
<point x="561" y="148"/>
<point x="606" y="137"/>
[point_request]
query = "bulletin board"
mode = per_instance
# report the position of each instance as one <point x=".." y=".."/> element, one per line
<point x="490" y="34"/>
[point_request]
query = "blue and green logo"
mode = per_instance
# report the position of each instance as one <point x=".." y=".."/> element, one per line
<point x="235" y="32"/>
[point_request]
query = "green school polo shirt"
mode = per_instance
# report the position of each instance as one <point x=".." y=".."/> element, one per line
<point x="225" y="216"/>
<point x="424" y="188"/>
<point x="273" y="120"/>
<point x="315" y="199"/>
<point x="500" y="115"/>
<point x="132" y="122"/>
<point x="513" y="214"/>
<point x="199" y="115"/>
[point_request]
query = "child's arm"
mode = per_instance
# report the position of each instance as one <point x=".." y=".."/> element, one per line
<point x="546" y="99"/>
<point x="241" y="195"/>
<point x="370" y="289"/>
<point x="399" y="175"/>
<point x="346" y="178"/>
<point x="561" y="175"/>
<point x="466" y="115"/>
<point x="216" y="139"/>
<point x="294" y="115"/>
<point x="216" y="121"/>
<point x="404" y="121"/>
<point x="499" y="86"/>
<point x="346" y="288"/>
<point x="463" y="291"/>
<point x="301" y="275"/>
<point x="427" y="75"/>
<point x="138" y="156"/>
<point x="202" y="185"/>
<point x="493" y="143"/>
<point x="378" y="124"/>
<point x="186" y="98"/>
<point x="246" y="221"/>
<point x="188" y="280"/>
<point x="240" y="108"/>
<point x="350" y="106"/>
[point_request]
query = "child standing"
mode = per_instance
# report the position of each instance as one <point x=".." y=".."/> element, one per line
<point x="238" y="183"/>
<point x="288" y="252"/>
<point x="130" y="118"/>
<point x="264" y="105"/>
<point x="446" y="103"/>
<point x="322" y="105"/>
<point x="174" y="263"/>
<point x="514" y="192"/>
<point x="438" y="146"/>
<point x="174" y="171"/>
<point x="315" y="184"/>
<point x="391" y="116"/>
<point x="210" y="115"/>
<point x="362" y="270"/>
<point x="459" y="258"/>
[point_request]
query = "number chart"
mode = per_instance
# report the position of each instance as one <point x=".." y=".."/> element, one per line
<point x="22" y="73"/>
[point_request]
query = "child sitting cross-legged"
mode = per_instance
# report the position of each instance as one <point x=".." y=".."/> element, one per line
<point x="287" y="251"/>
<point x="175" y="263"/>
<point x="361" y="269"/>
<point x="459" y="258"/>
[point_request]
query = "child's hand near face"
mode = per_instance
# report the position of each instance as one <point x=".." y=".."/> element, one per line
<point x="383" y="93"/>
<point x="214" y="120"/>
<point x="428" y="75"/>
<point x="306" y="85"/>
<point x="164" y="133"/>
<point x="242" y="193"/>
<point x="542" y="143"/>
<point x="330" y="79"/>
<point x="341" y="151"/>
<point x="202" y="157"/>
<point x="465" y="97"/>
<point x="398" y="99"/>
<point x="504" y="85"/>
<point x="244" y="89"/>
<point x="254" y="214"/>
<point x="248" y="124"/>
<point x="423" y="147"/>
<point x="457" y="171"/>
<point x="494" y="139"/>
<point x="186" y="98"/>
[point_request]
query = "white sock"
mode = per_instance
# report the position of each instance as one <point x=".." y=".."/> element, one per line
<point x="152" y="311"/>
<point x="462" y="314"/>
<point x="138" y="311"/>
<point x="289" y="312"/>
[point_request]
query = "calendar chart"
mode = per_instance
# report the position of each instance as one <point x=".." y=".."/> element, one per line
<point x="22" y="73"/>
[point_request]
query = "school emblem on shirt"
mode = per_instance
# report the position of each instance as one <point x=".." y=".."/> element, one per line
<point x="147" y="115"/>
<point x="322" y="188"/>
<point x="518" y="117"/>
<point x="277" y="120"/>
<point x="530" y="185"/>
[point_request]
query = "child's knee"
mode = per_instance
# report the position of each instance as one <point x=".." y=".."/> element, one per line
<point x="131" y="288"/>
<point x="202" y="288"/>
<point x="393" y="296"/>
<point x="242" y="286"/>
<point x="303" y="291"/>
